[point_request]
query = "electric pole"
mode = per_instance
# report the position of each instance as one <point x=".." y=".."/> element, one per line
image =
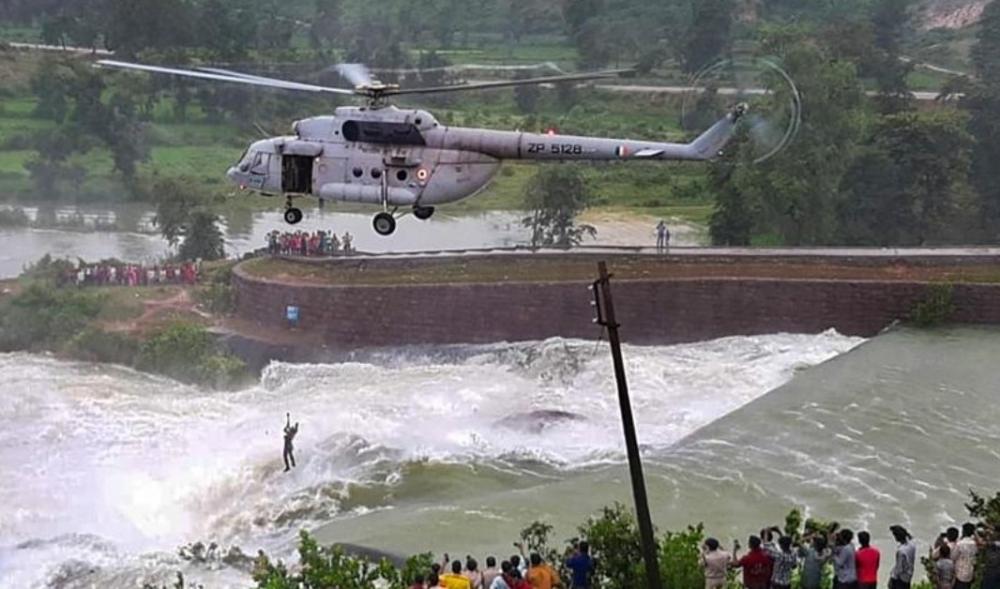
<point x="605" y="316"/>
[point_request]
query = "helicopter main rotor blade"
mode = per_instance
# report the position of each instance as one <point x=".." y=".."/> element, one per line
<point x="227" y="77"/>
<point x="510" y="83"/>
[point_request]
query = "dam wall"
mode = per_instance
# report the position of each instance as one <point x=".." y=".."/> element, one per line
<point x="657" y="310"/>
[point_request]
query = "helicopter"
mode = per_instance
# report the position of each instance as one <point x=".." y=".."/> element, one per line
<point x="379" y="154"/>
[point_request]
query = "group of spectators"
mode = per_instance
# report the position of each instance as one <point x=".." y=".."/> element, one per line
<point x="517" y="572"/>
<point x="302" y="243"/>
<point x="773" y="559"/>
<point x="771" y="562"/>
<point x="117" y="274"/>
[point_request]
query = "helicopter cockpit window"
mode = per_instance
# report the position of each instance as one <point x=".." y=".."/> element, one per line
<point x="245" y="161"/>
<point x="382" y="132"/>
<point x="261" y="161"/>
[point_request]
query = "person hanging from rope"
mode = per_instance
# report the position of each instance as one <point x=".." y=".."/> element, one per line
<point x="290" y="432"/>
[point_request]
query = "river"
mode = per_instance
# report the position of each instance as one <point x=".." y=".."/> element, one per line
<point x="107" y="471"/>
<point x="136" y="239"/>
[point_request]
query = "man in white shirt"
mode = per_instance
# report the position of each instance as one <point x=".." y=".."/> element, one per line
<point x="964" y="556"/>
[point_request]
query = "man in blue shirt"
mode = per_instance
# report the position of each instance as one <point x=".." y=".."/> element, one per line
<point x="582" y="566"/>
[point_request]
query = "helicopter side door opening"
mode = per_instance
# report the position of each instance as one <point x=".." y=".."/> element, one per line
<point x="296" y="174"/>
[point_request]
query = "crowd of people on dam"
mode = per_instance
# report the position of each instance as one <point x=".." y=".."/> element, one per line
<point x="302" y="243"/>
<point x="771" y="562"/>
<point x="121" y="274"/>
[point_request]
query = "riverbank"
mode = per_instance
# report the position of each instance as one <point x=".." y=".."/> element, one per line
<point x="158" y="328"/>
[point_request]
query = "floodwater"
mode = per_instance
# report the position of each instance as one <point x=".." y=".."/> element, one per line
<point x="107" y="471"/>
<point x="135" y="237"/>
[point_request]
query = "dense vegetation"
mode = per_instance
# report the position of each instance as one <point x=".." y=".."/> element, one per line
<point x="78" y="323"/>
<point x="865" y="169"/>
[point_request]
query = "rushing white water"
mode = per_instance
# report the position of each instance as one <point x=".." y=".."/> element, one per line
<point x="109" y="470"/>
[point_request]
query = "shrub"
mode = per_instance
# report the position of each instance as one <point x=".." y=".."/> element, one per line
<point x="96" y="345"/>
<point x="53" y="271"/>
<point x="221" y="371"/>
<point x="614" y="543"/>
<point x="217" y="294"/>
<point x="14" y="218"/>
<point x="935" y="308"/>
<point x="176" y="351"/>
<point x="323" y="567"/>
<point x="217" y="298"/>
<point x="188" y="353"/>
<point x="42" y="317"/>
<point x="680" y="559"/>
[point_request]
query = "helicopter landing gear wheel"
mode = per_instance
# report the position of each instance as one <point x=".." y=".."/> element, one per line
<point x="384" y="223"/>
<point x="423" y="213"/>
<point x="293" y="215"/>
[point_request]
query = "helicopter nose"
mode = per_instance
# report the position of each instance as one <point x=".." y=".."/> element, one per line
<point x="236" y="177"/>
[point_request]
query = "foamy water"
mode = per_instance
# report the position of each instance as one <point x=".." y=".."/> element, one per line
<point x="110" y="469"/>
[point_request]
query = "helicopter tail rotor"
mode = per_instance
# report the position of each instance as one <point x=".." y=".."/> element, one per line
<point x="774" y="103"/>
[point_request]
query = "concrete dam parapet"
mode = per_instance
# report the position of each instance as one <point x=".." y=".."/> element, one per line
<point x="366" y="302"/>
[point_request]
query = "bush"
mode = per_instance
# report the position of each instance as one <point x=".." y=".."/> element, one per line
<point x="680" y="559"/>
<point x="49" y="270"/>
<point x="14" y="218"/>
<point x="187" y="352"/>
<point x="615" y="546"/>
<point x="217" y="298"/>
<point x="217" y="295"/>
<point x="936" y="307"/>
<point x="176" y="351"/>
<point x="42" y="317"/>
<point x="221" y="371"/>
<point x="96" y="345"/>
<point x="323" y="567"/>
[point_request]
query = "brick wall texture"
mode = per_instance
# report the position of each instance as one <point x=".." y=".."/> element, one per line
<point x="658" y="311"/>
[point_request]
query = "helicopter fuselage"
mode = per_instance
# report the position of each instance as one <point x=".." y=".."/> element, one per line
<point x="404" y="158"/>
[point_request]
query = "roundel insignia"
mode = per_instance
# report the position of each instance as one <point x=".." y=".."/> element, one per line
<point x="622" y="151"/>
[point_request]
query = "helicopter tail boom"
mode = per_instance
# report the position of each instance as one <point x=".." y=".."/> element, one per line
<point x="536" y="146"/>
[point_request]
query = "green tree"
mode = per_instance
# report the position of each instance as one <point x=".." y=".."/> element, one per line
<point x="133" y="26"/>
<point x="326" y="23"/>
<point x="124" y="134"/>
<point x="617" y="550"/>
<point x="52" y="86"/>
<point x="905" y="187"/>
<point x="52" y="167"/>
<point x="792" y="197"/>
<point x="222" y="27"/>
<point x="554" y="197"/>
<point x="890" y="20"/>
<point x="576" y="13"/>
<point x="680" y="558"/>
<point x="202" y="238"/>
<point x="983" y="103"/>
<point x="526" y="97"/>
<point x="709" y="35"/>
<point x="183" y="218"/>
